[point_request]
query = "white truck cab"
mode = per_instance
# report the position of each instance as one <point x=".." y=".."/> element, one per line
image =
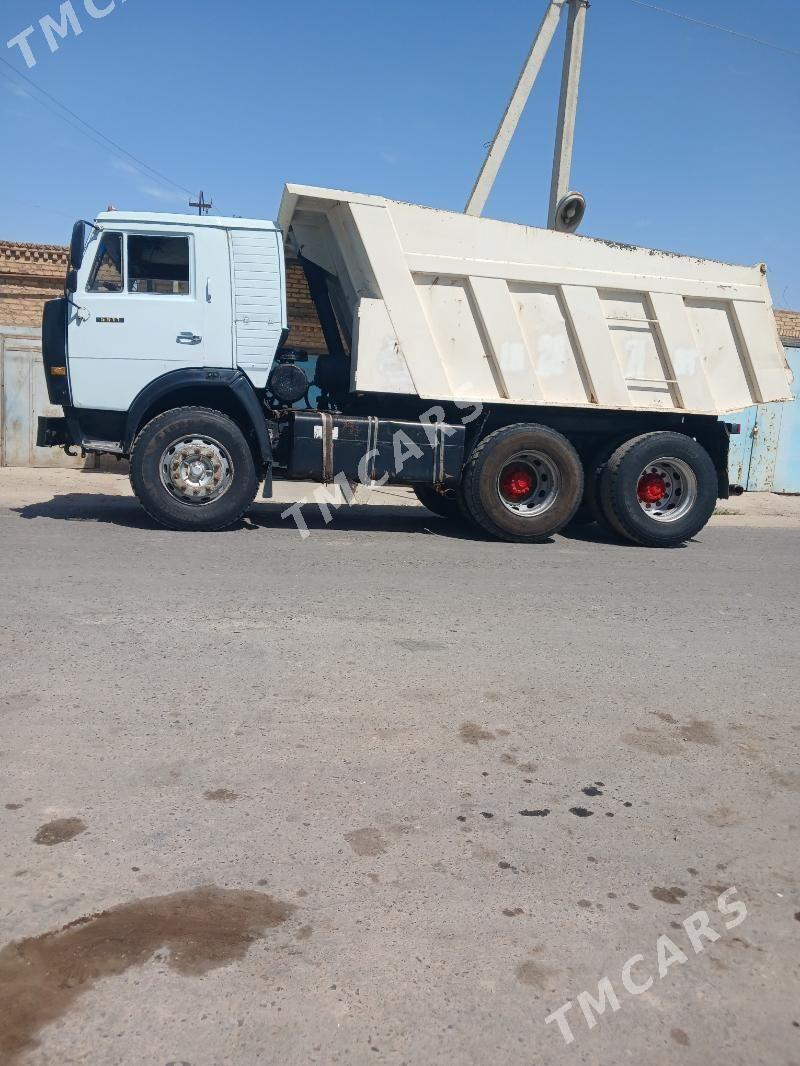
<point x="154" y="295"/>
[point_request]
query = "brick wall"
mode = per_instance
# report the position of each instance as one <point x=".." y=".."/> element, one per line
<point x="304" y="328"/>
<point x="33" y="273"/>
<point x="788" y="326"/>
<point x="29" y="275"/>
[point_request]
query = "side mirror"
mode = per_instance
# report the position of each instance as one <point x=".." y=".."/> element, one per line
<point x="71" y="284"/>
<point x="77" y="245"/>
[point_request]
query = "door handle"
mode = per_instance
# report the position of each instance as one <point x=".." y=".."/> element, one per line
<point x="187" y="337"/>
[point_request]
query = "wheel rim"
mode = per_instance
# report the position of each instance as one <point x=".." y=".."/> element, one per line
<point x="528" y="484"/>
<point x="197" y="470"/>
<point x="666" y="489"/>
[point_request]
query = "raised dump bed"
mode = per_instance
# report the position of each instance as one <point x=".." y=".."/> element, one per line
<point x="451" y="307"/>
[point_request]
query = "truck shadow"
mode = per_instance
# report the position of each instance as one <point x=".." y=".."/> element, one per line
<point x="126" y="512"/>
<point x="367" y="518"/>
<point x="591" y="534"/>
<point x="597" y="534"/>
<point x="89" y="507"/>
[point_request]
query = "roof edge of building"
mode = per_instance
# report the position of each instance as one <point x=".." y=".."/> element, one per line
<point x="16" y="250"/>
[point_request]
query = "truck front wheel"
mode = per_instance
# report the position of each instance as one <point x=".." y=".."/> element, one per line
<point x="659" y="489"/>
<point x="523" y="483"/>
<point x="192" y="468"/>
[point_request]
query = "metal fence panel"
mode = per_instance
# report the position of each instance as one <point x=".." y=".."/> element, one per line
<point x="787" y="464"/>
<point x="23" y="398"/>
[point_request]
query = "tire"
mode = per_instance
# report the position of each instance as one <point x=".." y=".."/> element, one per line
<point x="166" y="475"/>
<point x="670" y="463"/>
<point x="523" y="483"/>
<point x="593" y="472"/>
<point x="442" y="503"/>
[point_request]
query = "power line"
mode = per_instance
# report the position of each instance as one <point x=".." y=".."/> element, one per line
<point x="39" y="207"/>
<point x="88" y="126"/>
<point x="714" y="26"/>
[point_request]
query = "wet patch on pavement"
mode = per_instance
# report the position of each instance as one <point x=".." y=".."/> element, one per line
<point x="535" y="974"/>
<point x="59" y="831"/>
<point x="659" y="742"/>
<point x="668" y="895"/>
<point x="42" y="977"/>
<point x="472" y="733"/>
<point x="369" y="842"/>
<point x="221" y="795"/>
<point x="698" y="732"/>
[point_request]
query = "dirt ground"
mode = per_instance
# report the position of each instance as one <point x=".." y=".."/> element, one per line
<point x="392" y="793"/>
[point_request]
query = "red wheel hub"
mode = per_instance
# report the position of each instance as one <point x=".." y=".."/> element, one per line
<point x="652" y="488"/>
<point x="516" y="483"/>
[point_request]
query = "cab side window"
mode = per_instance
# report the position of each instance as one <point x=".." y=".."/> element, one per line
<point x="106" y="275"/>
<point x="159" y="265"/>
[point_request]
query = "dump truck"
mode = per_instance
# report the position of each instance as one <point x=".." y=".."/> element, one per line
<point x="517" y="378"/>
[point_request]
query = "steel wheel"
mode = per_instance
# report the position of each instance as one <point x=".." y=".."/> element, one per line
<point x="528" y="484"/>
<point x="667" y="489"/>
<point x="196" y="470"/>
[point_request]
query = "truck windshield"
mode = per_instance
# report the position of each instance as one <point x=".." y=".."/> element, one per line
<point x="106" y="275"/>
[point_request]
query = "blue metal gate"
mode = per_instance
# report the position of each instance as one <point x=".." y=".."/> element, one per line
<point x="765" y="457"/>
<point x="787" y="462"/>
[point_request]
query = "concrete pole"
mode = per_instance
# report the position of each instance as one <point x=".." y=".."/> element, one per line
<point x="516" y="105"/>
<point x="567" y="106"/>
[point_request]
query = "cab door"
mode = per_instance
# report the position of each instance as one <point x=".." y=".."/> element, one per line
<point x="138" y="313"/>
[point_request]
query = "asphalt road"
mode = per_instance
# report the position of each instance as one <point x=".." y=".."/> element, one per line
<point x="391" y="794"/>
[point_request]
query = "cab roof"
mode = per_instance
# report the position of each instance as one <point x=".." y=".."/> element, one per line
<point x="147" y="218"/>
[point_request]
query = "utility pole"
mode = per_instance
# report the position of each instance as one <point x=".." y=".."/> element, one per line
<point x="516" y="105"/>
<point x="202" y="206"/>
<point x="573" y="54"/>
<point x="567" y="106"/>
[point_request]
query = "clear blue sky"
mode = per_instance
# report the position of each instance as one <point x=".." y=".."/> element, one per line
<point x="687" y="139"/>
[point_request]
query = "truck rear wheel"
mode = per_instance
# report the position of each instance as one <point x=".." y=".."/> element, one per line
<point x="659" y="489"/>
<point x="192" y="468"/>
<point x="523" y="483"/>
